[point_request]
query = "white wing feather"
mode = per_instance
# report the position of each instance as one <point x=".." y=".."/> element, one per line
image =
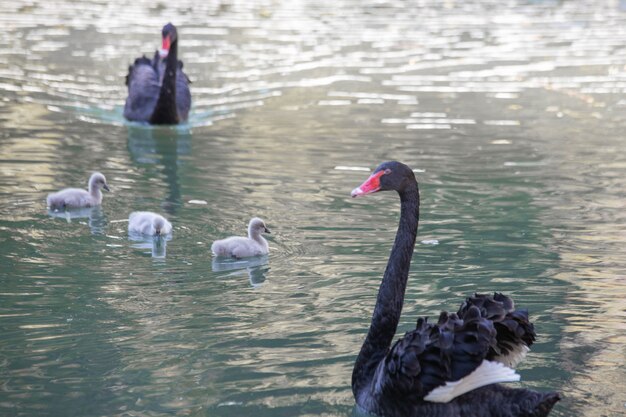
<point x="487" y="373"/>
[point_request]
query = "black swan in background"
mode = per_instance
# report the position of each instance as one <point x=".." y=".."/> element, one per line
<point x="450" y="368"/>
<point x="158" y="90"/>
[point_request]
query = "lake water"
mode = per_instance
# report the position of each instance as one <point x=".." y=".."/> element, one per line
<point x="512" y="114"/>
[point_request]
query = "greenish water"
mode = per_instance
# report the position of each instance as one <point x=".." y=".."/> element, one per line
<point x="512" y="115"/>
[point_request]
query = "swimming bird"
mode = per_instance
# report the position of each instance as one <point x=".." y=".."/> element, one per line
<point x="148" y="223"/>
<point x="158" y="89"/>
<point x="77" y="197"/>
<point x="241" y="247"/>
<point x="449" y="368"/>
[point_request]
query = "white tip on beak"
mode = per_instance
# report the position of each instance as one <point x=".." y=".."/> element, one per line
<point x="356" y="192"/>
<point x="163" y="53"/>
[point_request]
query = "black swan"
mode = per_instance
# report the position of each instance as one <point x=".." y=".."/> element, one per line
<point x="158" y="90"/>
<point x="451" y="368"/>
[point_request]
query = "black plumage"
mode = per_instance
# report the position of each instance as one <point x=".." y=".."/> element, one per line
<point x="399" y="380"/>
<point x="513" y="328"/>
<point x="158" y="89"/>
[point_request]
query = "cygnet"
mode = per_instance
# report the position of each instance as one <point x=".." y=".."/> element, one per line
<point x="241" y="247"/>
<point x="77" y="197"/>
<point x="148" y="223"/>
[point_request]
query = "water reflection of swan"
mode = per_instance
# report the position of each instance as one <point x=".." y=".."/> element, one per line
<point x="94" y="215"/>
<point x="156" y="244"/>
<point x="161" y="147"/>
<point x="254" y="267"/>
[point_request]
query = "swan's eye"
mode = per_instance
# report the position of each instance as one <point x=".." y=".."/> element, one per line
<point x="387" y="171"/>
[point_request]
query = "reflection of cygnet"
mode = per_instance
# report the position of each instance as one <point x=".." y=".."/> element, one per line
<point x="255" y="267"/>
<point x="76" y="197"/>
<point x="241" y="247"/>
<point x="148" y="223"/>
<point x="95" y="218"/>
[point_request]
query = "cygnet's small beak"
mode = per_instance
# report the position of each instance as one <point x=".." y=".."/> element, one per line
<point x="158" y="232"/>
<point x="106" y="187"/>
<point x="267" y="230"/>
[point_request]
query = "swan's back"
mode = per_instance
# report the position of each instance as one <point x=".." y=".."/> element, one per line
<point x="489" y="401"/>
<point x="71" y="198"/>
<point x="238" y="247"/>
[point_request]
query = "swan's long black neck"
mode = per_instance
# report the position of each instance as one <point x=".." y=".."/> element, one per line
<point x="391" y="293"/>
<point x="165" y="111"/>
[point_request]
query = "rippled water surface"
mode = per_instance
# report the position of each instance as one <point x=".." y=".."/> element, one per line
<point x="512" y="114"/>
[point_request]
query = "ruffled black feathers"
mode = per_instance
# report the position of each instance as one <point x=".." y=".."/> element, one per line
<point x="515" y="332"/>
<point x="433" y="354"/>
<point x="458" y="362"/>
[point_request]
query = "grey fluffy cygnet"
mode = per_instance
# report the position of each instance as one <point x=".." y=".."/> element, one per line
<point x="241" y="247"/>
<point x="148" y="223"/>
<point x="77" y="197"/>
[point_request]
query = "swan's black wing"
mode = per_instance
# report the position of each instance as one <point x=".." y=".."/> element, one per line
<point x="433" y="355"/>
<point x="515" y="333"/>
<point x="143" y="83"/>
<point x="183" y="95"/>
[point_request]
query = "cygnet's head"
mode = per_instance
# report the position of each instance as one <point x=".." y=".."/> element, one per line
<point x="256" y="227"/>
<point x="97" y="181"/>
<point x="158" y="223"/>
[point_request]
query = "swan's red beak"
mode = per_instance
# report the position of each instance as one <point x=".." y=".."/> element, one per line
<point x="165" y="46"/>
<point x="371" y="185"/>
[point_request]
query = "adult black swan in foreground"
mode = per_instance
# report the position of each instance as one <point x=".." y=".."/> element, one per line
<point x="158" y="90"/>
<point x="450" y="368"/>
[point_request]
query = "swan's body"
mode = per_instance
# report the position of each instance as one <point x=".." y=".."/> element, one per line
<point x="451" y="368"/>
<point x="158" y="89"/>
<point x="78" y="198"/>
<point x="149" y="224"/>
<point x="242" y="247"/>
